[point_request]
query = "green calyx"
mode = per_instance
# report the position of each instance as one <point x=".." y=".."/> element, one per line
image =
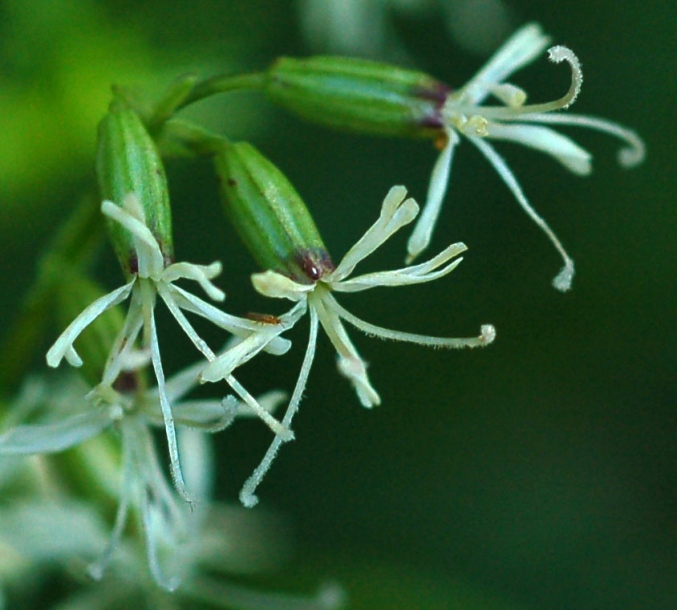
<point x="269" y="215"/>
<point x="128" y="162"/>
<point x="358" y="95"/>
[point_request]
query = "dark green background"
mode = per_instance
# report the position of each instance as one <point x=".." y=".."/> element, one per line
<point x="540" y="472"/>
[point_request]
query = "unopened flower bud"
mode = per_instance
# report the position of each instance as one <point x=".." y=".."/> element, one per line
<point x="269" y="215"/>
<point x="359" y="95"/>
<point x="128" y="162"/>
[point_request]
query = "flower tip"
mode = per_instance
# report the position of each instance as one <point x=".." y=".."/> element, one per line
<point x="96" y="570"/>
<point x="395" y="195"/>
<point x="331" y="596"/>
<point x="564" y="278"/>
<point x="487" y="334"/>
<point x="558" y="54"/>
<point x="633" y="155"/>
<point x="248" y="499"/>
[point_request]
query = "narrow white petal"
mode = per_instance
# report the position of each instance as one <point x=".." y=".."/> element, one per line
<point x="558" y="146"/>
<point x="57" y="436"/>
<point x="407" y="276"/>
<point x="72" y="357"/>
<point x="277" y="286"/>
<point x="246" y="348"/>
<point x="247" y="494"/>
<point x="64" y="344"/>
<point x="458" y="106"/>
<point x="629" y="156"/>
<point x="126" y="338"/>
<point x="153" y="525"/>
<point x="224" y="364"/>
<point x="522" y="48"/>
<point x="189" y="302"/>
<point x="185" y="325"/>
<point x="439" y="182"/>
<point x="396" y="212"/>
<point x="202" y="274"/>
<point x="97" y="568"/>
<point x="350" y="363"/>
<point x="563" y="279"/>
<point x="209" y="415"/>
<point x="150" y="259"/>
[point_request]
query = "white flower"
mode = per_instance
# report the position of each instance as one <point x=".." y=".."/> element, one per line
<point x="464" y="114"/>
<point x="318" y="297"/>
<point x="155" y="277"/>
<point x="167" y="523"/>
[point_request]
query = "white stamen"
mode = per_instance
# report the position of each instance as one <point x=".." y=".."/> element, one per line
<point x="174" y="461"/>
<point x="247" y="494"/>
<point x="562" y="281"/>
<point x="487" y="333"/>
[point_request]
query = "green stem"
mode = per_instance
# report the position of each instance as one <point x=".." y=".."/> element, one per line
<point x="75" y="244"/>
<point x="179" y="138"/>
<point x="224" y="84"/>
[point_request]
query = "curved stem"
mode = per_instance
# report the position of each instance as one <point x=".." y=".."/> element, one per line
<point x="224" y="84"/>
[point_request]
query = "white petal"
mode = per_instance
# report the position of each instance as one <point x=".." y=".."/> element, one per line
<point x="202" y="274"/>
<point x="407" y="276"/>
<point x="350" y="364"/>
<point x="523" y="47"/>
<point x="277" y="286"/>
<point x="629" y="156"/>
<point x="396" y="212"/>
<point x="236" y="356"/>
<point x="189" y="302"/>
<point x="439" y="182"/>
<point x="185" y="325"/>
<point x="123" y="345"/>
<point x="150" y="259"/>
<point x="154" y="523"/>
<point x="64" y="344"/>
<point x="562" y="281"/>
<point x="546" y="140"/>
<point x="56" y="436"/>
<point x="213" y="415"/>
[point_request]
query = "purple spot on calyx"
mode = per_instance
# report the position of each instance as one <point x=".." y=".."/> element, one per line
<point x="434" y="121"/>
<point x="133" y="264"/>
<point x="436" y="92"/>
<point x="315" y="264"/>
<point x="126" y="382"/>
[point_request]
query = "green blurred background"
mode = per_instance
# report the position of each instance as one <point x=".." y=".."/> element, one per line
<point x="540" y="472"/>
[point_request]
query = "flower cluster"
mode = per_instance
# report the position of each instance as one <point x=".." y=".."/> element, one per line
<point x="110" y="419"/>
